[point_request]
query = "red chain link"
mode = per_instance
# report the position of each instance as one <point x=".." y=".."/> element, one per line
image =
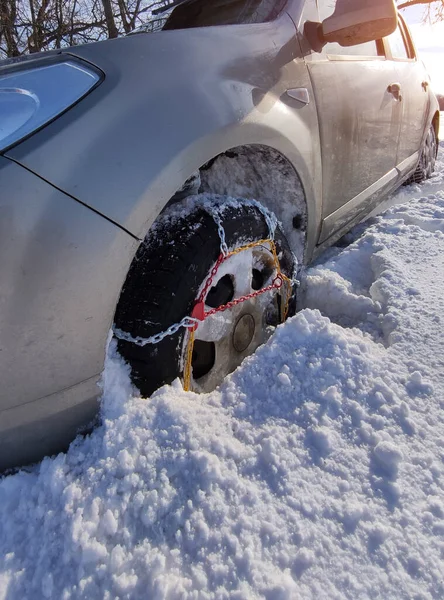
<point x="199" y="308"/>
<point x="275" y="285"/>
<point x="209" y="281"/>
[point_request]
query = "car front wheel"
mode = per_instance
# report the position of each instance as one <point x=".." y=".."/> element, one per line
<point x="171" y="273"/>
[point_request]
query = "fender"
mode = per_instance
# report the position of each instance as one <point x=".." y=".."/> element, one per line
<point x="170" y="102"/>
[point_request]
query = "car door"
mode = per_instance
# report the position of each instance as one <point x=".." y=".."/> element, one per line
<point x="413" y="83"/>
<point x="359" y="121"/>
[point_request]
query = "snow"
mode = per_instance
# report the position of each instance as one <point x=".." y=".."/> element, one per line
<point x="279" y="189"/>
<point x="314" y="471"/>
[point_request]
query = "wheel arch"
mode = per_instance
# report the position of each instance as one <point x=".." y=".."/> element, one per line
<point x="261" y="172"/>
<point x="244" y="171"/>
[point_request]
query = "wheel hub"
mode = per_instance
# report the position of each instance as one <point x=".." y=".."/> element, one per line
<point x="243" y="333"/>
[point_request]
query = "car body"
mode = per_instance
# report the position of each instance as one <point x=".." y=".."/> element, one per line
<point x="318" y="136"/>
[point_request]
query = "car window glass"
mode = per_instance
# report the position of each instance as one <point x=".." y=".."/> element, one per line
<point x="204" y="13"/>
<point x="397" y="44"/>
<point x="310" y="12"/>
<point x="367" y="49"/>
<point x="326" y="9"/>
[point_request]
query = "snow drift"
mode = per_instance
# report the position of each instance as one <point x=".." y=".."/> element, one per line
<point x="315" y="471"/>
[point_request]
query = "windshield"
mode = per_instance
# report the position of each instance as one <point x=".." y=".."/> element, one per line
<point x="184" y="14"/>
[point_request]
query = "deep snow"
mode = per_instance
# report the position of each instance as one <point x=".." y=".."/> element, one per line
<point x="315" y="471"/>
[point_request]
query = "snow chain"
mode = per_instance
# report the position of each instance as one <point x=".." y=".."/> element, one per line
<point x="199" y="314"/>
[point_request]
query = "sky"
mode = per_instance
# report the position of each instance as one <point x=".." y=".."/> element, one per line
<point x="429" y="40"/>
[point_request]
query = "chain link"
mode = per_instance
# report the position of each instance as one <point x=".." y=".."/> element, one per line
<point x="277" y="284"/>
<point x="187" y="322"/>
<point x="221" y="232"/>
<point x="254" y="245"/>
<point x="270" y="221"/>
<point x="209" y="281"/>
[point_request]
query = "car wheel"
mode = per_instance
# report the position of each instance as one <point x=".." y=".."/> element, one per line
<point x="427" y="158"/>
<point x="169" y="273"/>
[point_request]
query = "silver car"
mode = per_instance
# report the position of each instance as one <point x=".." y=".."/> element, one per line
<point x="169" y="186"/>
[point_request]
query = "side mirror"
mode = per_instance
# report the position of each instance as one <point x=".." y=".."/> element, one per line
<point x="359" y="21"/>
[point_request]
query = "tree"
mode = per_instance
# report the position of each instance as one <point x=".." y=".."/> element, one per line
<point x="28" y="26"/>
<point x="109" y="18"/>
<point x="8" y="14"/>
<point x="434" y="8"/>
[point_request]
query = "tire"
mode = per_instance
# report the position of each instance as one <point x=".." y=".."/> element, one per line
<point x="427" y="158"/>
<point x="166" y="276"/>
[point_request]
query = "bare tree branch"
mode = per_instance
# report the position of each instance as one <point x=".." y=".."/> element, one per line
<point x="434" y="8"/>
<point x="413" y="3"/>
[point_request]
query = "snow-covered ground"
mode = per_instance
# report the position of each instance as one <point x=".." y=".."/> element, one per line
<point x="315" y="471"/>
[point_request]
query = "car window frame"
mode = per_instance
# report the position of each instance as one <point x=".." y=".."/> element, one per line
<point x="408" y="43"/>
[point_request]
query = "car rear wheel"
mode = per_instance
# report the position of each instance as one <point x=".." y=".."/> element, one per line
<point x="427" y="158"/>
<point x="169" y="274"/>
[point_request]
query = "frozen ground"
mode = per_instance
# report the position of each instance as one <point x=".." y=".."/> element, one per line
<point x="316" y="471"/>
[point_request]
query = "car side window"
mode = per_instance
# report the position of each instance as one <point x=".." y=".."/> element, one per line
<point x="326" y="9"/>
<point x="203" y="13"/>
<point x="185" y="14"/>
<point x="397" y="45"/>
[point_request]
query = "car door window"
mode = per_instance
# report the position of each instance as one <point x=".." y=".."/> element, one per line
<point x="397" y="45"/>
<point x="326" y="9"/>
<point x="367" y="49"/>
<point x="184" y="14"/>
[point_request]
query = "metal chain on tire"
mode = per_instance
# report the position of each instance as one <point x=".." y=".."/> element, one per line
<point x="198" y="315"/>
<point x="186" y="322"/>
<point x="221" y="232"/>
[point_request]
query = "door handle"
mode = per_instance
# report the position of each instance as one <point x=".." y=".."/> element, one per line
<point x="425" y="85"/>
<point x="395" y="90"/>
